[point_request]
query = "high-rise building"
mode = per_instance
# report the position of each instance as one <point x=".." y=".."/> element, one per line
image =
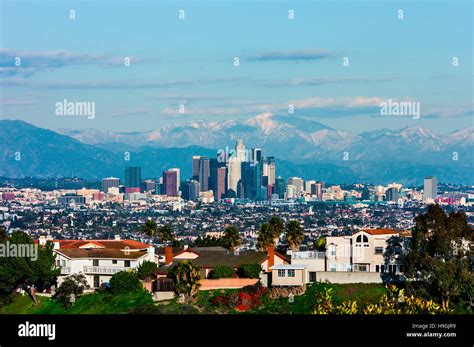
<point x="268" y="170"/>
<point x="297" y="183"/>
<point x="234" y="167"/>
<point x="280" y="187"/>
<point x="256" y="154"/>
<point x="252" y="180"/>
<point x="430" y="189"/>
<point x="290" y="191"/>
<point x="308" y="186"/>
<point x="147" y="185"/>
<point x="204" y="174"/>
<point x="110" y="182"/>
<point x="392" y="194"/>
<point x="195" y="168"/>
<point x="217" y="175"/>
<point x="171" y="182"/>
<point x="191" y="190"/>
<point x="133" y="176"/>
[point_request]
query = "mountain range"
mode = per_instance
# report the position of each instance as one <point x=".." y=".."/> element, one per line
<point x="302" y="147"/>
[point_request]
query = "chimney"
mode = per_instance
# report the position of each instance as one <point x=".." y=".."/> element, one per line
<point x="42" y="240"/>
<point x="186" y="246"/>
<point x="168" y="255"/>
<point x="117" y="237"/>
<point x="271" y="257"/>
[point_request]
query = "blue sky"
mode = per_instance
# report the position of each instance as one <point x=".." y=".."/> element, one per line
<point x="282" y="61"/>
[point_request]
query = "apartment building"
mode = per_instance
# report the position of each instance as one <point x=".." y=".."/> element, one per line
<point x="98" y="260"/>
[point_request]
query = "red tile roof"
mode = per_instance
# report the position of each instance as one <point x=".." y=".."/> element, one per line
<point x="381" y="231"/>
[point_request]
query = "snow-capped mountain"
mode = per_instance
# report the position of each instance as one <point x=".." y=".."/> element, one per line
<point x="298" y="139"/>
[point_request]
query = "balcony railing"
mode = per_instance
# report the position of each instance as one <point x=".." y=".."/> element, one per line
<point x="102" y="270"/>
<point x="308" y="255"/>
<point x="65" y="270"/>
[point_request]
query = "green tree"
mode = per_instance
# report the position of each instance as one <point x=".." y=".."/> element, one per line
<point x="125" y="282"/>
<point x="186" y="277"/>
<point x="222" y="271"/>
<point x="294" y="234"/>
<point x="251" y="270"/>
<point x="150" y="228"/>
<point x="71" y="287"/>
<point x="146" y="270"/>
<point x="320" y="244"/>
<point x="231" y="238"/>
<point x="276" y="226"/>
<point x="437" y="262"/>
<point x="165" y="233"/>
<point x="33" y="272"/>
<point x="265" y="237"/>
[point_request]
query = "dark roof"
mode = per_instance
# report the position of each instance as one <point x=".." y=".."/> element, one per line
<point x="79" y="253"/>
<point x="212" y="259"/>
<point x="200" y="250"/>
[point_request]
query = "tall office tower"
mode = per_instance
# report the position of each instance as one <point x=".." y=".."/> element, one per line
<point x="252" y="180"/>
<point x="269" y="192"/>
<point x="171" y="182"/>
<point x="159" y="190"/>
<point x="298" y="183"/>
<point x="240" y="151"/>
<point x="268" y="170"/>
<point x="240" y="190"/>
<point x="204" y="174"/>
<point x="234" y="167"/>
<point x="430" y="189"/>
<point x="191" y="190"/>
<point x="290" y="191"/>
<point x="110" y="182"/>
<point x="256" y="154"/>
<point x="133" y="178"/>
<point x="392" y="194"/>
<point x="308" y="186"/>
<point x="195" y="168"/>
<point x="280" y="187"/>
<point x="221" y="183"/>
<point x="317" y="189"/>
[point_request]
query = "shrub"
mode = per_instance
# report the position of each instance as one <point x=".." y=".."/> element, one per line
<point x="250" y="270"/>
<point x="125" y="282"/>
<point x="146" y="270"/>
<point x="70" y="288"/>
<point x="222" y="271"/>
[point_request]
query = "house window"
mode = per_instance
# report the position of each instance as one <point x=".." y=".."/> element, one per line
<point x="95" y="262"/>
<point x="348" y="267"/>
<point x="114" y="261"/>
<point x="362" y="268"/>
<point x="291" y="273"/>
<point x="63" y="263"/>
<point x="377" y="268"/>
<point x="332" y="267"/>
<point x="332" y="250"/>
<point x="378" y="250"/>
<point x="281" y="273"/>
<point x="340" y="267"/>
<point x="382" y="268"/>
<point x="127" y="263"/>
<point x="362" y="239"/>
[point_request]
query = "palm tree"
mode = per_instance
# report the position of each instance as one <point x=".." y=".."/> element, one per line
<point x="150" y="228"/>
<point x="265" y="237"/>
<point x="276" y="226"/>
<point x="294" y="234"/>
<point x="186" y="276"/>
<point x="165" y="233"/>
<point x="231" y="237"/>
